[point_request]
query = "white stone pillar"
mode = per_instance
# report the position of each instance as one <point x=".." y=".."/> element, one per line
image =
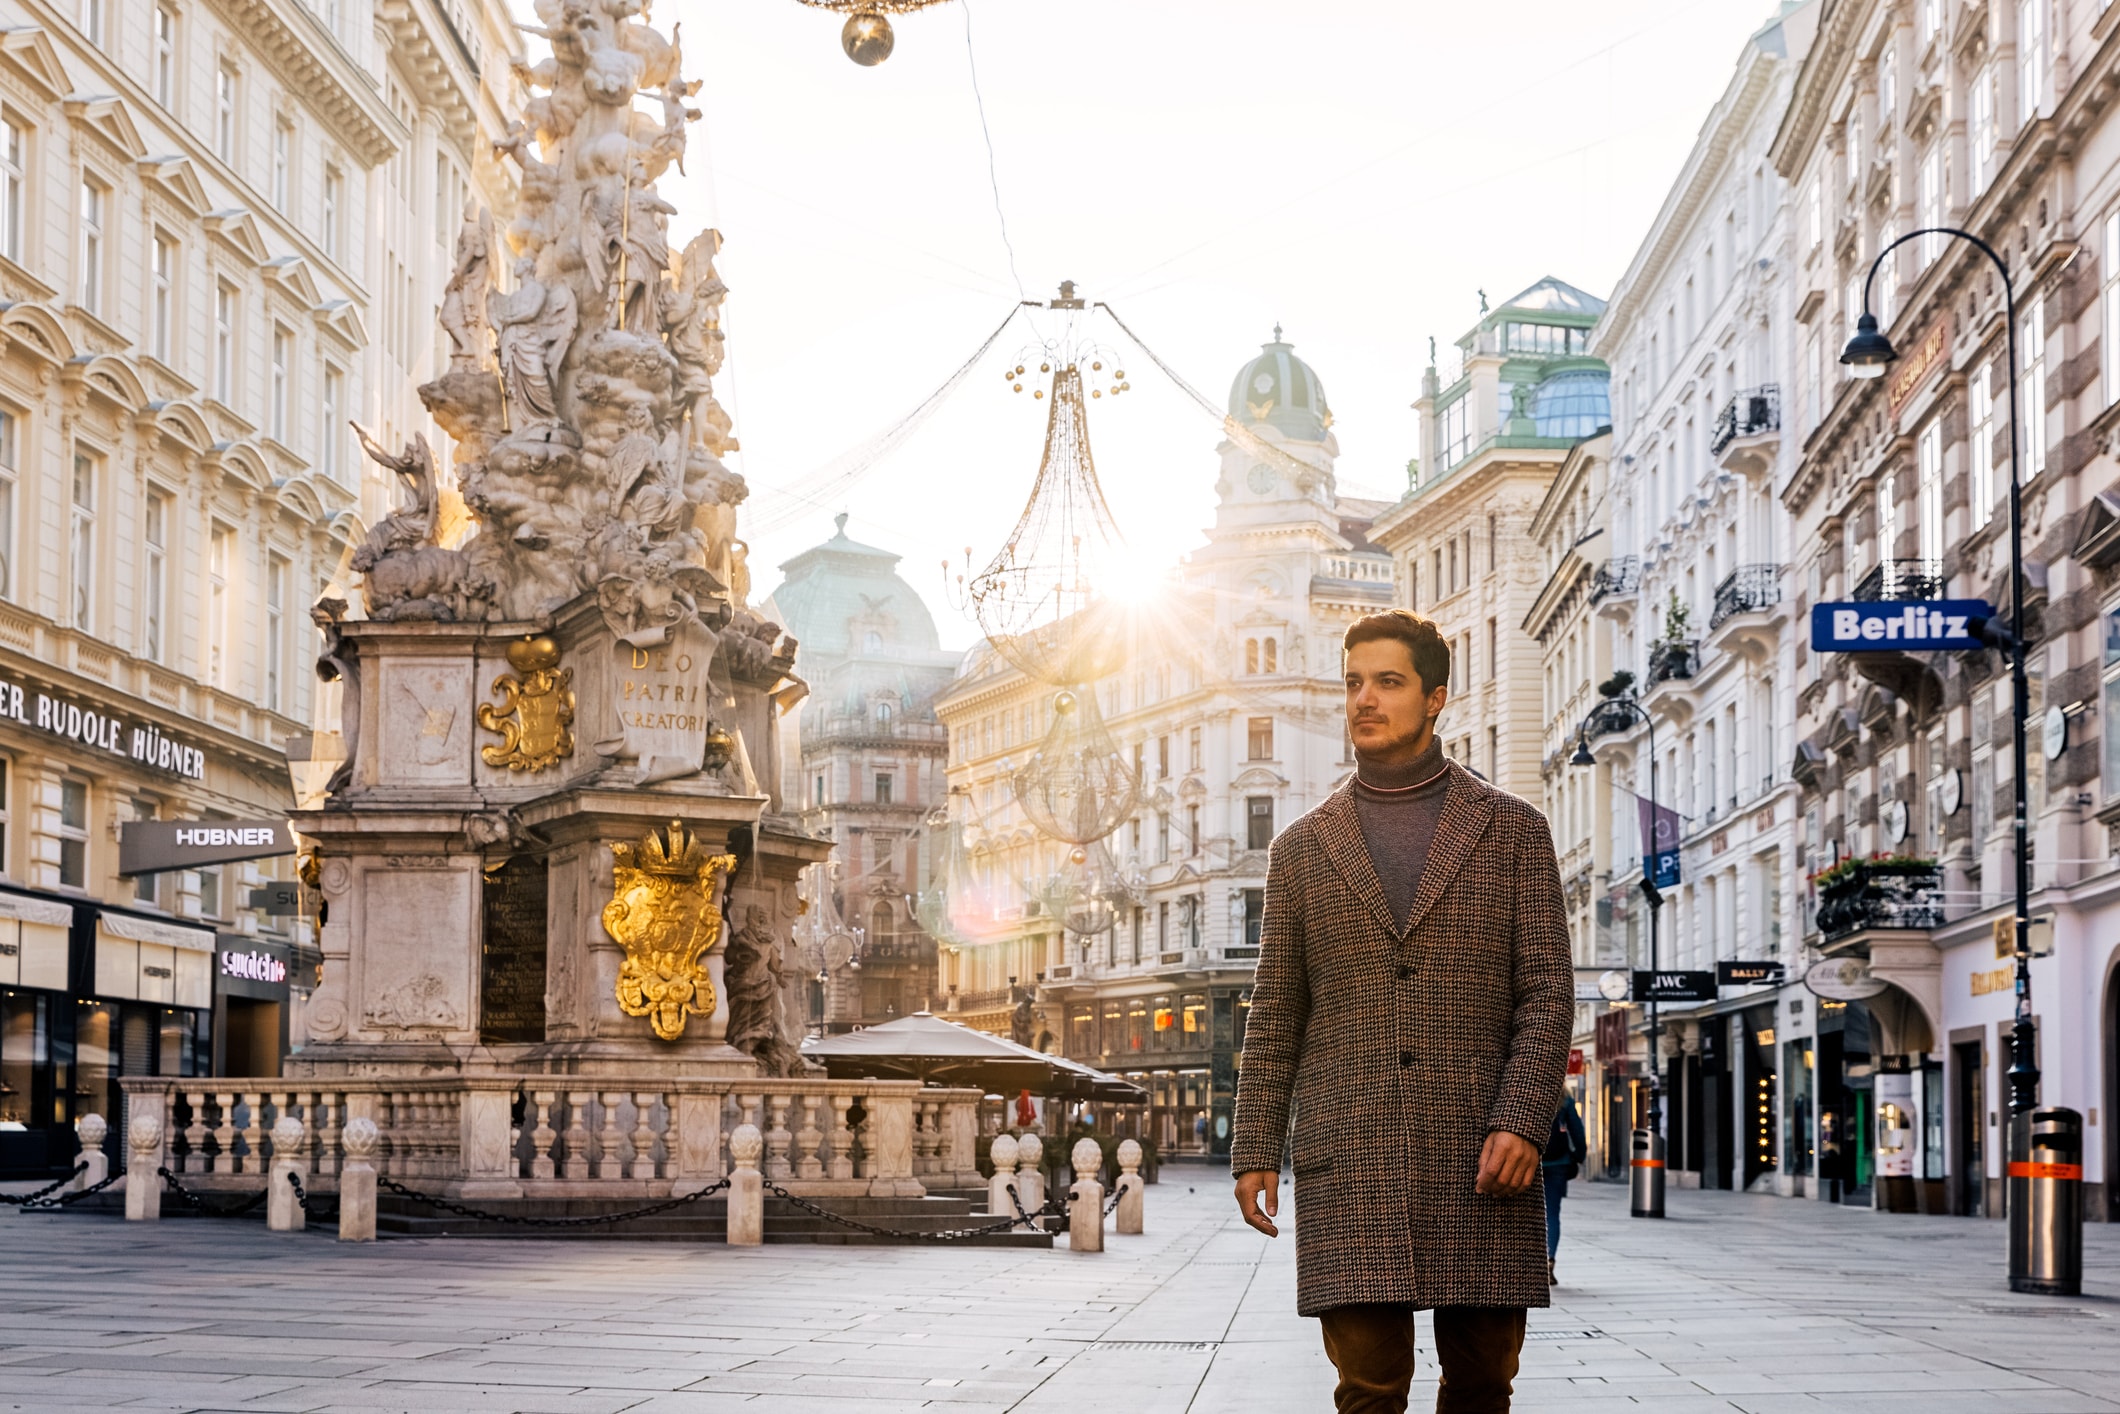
<point x="1030" y="1178"/>
<point x="747" y="1213"/>
<point x="1131" y="1187"/>
<point x="357" y="1180"/>
<point x="143" y="1186"/>
<point x="91" y="1131"/>
<point x="1085" y="1199"/>
<point x="282" y="1212"/>
<point x="1003" y="1153"/>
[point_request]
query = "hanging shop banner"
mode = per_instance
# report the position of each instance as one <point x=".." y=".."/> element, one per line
<point x="1674" y="986"/>
<point x="1876" y="626"/>
<point x="100" y="729"/>
<point x="150" y="846"/>
<point x="1660" y="835"/>
<point x="1731" y="972"/>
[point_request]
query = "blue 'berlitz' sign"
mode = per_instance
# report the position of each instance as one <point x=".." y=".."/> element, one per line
<point x="1878" y="626"/>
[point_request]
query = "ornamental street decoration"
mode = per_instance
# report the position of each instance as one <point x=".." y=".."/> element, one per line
<point x="867" y="36"/>
<point x="535" y="718"/>
<point x="662" y="912"/>
<point x="1078" y="785"/>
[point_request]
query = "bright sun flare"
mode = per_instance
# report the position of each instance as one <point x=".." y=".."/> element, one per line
<point x="1135" y="577"/>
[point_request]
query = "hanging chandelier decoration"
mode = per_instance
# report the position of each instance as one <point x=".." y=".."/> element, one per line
<point x="956" y="907"/>
<point x="826" y="942"/>
<point x="867" y="36"/>
<point x="1077" y="786"/>
<point x="1085" y="895"/>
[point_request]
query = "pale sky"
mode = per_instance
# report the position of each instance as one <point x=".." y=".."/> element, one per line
<point x="1353" y="169"/>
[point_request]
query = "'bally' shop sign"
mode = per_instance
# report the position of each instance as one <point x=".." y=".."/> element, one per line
<point x="100" y="731"/>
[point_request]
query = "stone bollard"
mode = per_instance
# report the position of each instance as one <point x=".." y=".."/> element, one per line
<point x="1003" y="1153"/>
<point x="143" y="1186"/>
<point x="1085" y="1201"/>
<point x="91" y="1131"/>
<point x="357" y="1180"/>
<point x="1131" y="1186"/>
<point x="747" y="1195"/>
<point x="1030" y="1178"/>
<point x="282" y="1212"/>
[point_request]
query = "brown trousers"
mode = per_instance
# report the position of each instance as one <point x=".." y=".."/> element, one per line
<point x="1372" y="1347"/>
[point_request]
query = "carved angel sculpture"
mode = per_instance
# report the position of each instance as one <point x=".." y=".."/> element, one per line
<point x="463" y="312"/>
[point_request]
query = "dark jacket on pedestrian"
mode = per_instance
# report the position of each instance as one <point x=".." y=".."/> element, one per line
<point x="1567" y="1146"/>
<point x="1402" y="1043"/>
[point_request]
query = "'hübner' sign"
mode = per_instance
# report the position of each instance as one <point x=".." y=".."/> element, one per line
<point x="149" y="846"/>
<point x="101" y="731"/>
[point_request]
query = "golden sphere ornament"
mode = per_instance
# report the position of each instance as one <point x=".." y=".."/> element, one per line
<point x="867" y="38"/>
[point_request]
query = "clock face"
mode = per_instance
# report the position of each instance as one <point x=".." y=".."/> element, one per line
<point x="1952" y="793"/>
<point x="1260" y="478"/>
<point x="1895" y="820"/>
<point x="1614" y="985"/>
<point x="2055" y="732"/>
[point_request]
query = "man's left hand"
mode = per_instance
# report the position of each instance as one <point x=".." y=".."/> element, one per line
<point x="1508" y="1163"/>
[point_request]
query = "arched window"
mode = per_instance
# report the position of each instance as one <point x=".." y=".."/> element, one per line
<point x="883" y="714"/>
<point x="1272" y="652"/>
<point x="882" y="925"/>
<point x="1251" y="655"/>
<point x="872" y="642"/>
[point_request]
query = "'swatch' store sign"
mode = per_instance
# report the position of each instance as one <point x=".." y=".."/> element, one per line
<point x="100" y="730"/>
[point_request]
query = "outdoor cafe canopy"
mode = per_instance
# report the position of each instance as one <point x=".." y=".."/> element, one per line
<point x="926" y="1048"/>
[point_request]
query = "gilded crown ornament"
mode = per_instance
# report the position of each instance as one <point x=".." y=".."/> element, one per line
<point x="663" y="913"/>
<point x="535" y="717"/>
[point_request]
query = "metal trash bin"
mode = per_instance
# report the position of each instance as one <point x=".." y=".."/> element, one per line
<point x="2046" y="1202"/>
<point x="1645" y="1183"/>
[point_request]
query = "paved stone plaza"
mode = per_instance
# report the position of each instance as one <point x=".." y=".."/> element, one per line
<point x="1735" y="1303"/>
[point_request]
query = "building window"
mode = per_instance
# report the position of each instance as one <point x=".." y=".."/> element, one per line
<point x="281" y="411"/>
<point x="883" y="714"/>
<point x="1162" y="927"/>
<point x="334" y="210"/>
<point x="1258" y="739"/>
<point x="73" y="834"/>
<point x="6" y="813"/>
<point x="1494" y="650"/>
<point x="331" y="434"/>
<point x="147" y="888"/>
<point x="2034" y="412"/>
<point x="2033" y="66"/>
<point x="1162" y="837"/>
<point x="165" y="56"/>
<point x="224" y="112"/>
<point x="1192" y="748"/>
<point x="1162" y="758"/>
<point x="1258" y="821"/>
<point x="1980" y="409"/>
<point x="8" y="453"/>
<point x="154" y="589"/>
<point x="883" y="788"/>
<point x="1929" y="506"/>
<point x="224" y="342"/>
<point x="1192" y="829"/>
<point x="1929" y="198"/>
<point x="817" y="792"/>
<point x="94" y="202"/>
<point x="275" y="630"/>
<point x="162" y="314"/>
<point x="1455" y="428"/>
<point x="81" y="541"/>
<point x="220" y="567"/>
<point x="1272" y="656"/>
<point x="210" y="892"/>
<point x="92" y="13"/>
<point x="282" y="161"/>
<point x="11" y="180"/>
<point x="2111" y="311"/>
<point x="2111" y="671"/>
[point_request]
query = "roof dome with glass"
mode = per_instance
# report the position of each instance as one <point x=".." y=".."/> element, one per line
<point x="1282" y="391"/>
<point x="1575" y="403"/>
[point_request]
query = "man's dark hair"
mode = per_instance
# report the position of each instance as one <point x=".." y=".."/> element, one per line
<point x="1423" y="640"/>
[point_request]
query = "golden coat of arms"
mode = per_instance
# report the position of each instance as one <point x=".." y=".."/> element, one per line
<point x="535" y="717"/>
<point x="662" y="911"/>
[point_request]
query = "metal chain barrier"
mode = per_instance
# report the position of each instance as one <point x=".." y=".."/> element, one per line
<point x="906" y="1234"/>
<point x="25" y="1200"/>
<point x="1111" y="1204"/>
<point x="481" y="1215"/>
<point x="65" y="1200"/>
<point x="210" y="1210"/>
<point x="321" y="1211"/>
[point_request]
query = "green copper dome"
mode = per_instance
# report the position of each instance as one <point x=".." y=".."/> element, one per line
<point x="1282" y="391"/>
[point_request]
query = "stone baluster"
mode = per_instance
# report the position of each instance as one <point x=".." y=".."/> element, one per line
<point x="143" y="1186"/>
<point x="1131" y="1186"/>
<point x="92" y="1130"/>
<point x="842" y="1137"/>
<point x="888" y="1136"/>
<point x="1030" y="1177"/>
<point x="747" y="1198"/>
<point x="643" y="1135"/>
<point x="357" y="1182"/>
<point x="1003" y="1153"/>
<point x="542" y="1136"/>
<point x="169" y="1127"/>
<point x="609" y="1162"/>
<point x="390" y="1146"/>
<point x="692" y="1141"/>
<point x="326" y="1124"/>
<point x="748" y="1110"/>
<point x="195" y="1132"/>
<point x="224" y="1135"/>
<point x="777" y="1167"/>
<point x="576" y="1164"/>
<point x="282" y="1212"/>
<point x="927" y="1136"/>
<point x="253" y="1159"/>
<point x="807" y="1138"/>
<point x="279" y="1103"/>
<point x="1085" y="1199"/>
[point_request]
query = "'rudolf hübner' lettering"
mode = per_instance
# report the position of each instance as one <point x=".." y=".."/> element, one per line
<point x="216" y="836"/>
<point x="101" y="730"/>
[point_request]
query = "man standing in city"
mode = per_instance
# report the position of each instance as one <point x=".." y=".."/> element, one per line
<point x="1414" y="1001"/>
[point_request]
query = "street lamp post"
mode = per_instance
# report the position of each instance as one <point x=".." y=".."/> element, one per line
<point x="1646" y="1172"/>
<point x="1867" y="355"/>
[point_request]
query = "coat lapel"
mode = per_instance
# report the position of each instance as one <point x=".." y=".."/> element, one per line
<point x="1340" y="830"/>
<point x="1466" y="812"/>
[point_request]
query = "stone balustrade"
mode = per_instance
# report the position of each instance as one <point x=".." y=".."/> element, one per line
<point x="556" y="1136"/>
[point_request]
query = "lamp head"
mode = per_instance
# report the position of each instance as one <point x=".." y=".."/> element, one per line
<point x="1869" y="351"/>
<point x="1582" y="756"/>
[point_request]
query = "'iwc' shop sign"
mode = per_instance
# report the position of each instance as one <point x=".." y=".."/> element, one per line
<point x="100" y="730"/>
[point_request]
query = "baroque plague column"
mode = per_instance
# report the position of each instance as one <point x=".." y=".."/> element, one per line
<point x="551" y="848"/>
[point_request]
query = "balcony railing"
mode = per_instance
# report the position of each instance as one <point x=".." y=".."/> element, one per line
<point x="1885" y="893"/>
<point x="1750" y="587"/>
<point x="1672" y="658"/>
<point x="1622" y="575"/>
<point x="1750" y="413"/>
<point x="1896" y="580"/>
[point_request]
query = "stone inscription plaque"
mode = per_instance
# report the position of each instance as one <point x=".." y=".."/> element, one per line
<point x="664" y="703"/>
<point x="512" y="953"/>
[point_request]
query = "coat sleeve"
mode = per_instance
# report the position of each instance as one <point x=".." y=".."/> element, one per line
<point x="1543" y="977"/>
<point x="1280" y="1013"/>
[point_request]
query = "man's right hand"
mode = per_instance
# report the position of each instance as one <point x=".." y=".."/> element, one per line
<point x="1259" y="1199"/>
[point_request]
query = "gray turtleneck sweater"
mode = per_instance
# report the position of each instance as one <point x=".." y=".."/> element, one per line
<point x="1398" y="823"/>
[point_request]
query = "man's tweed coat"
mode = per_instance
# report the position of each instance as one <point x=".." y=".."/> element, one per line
<point x="1403" y="1043"/>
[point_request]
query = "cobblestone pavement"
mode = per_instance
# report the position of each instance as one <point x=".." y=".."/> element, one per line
<point x="1735" y="1303"/>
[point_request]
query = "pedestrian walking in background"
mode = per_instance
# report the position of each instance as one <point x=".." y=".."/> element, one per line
<point x="1414" y="1000"/>
<point x="1566" y="1148"/>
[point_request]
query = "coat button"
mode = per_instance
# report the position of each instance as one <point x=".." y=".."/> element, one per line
<point x="1405" y="1058"/>
<point x="1405" y="974"/>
